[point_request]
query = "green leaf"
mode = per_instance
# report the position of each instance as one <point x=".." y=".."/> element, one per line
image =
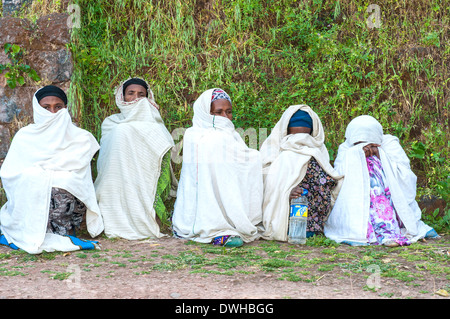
<point x="15" y="48"/>
<point x="24" y="68"/>
<point x="33" y="75"/>
<point x="7" y="46"/>
<point x="21" y="80"/>
<point x="11" y="83"/>
<point x="436" y="212"/>
<point x="418" y="150"/>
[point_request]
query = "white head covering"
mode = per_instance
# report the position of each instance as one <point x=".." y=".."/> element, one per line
<point x="203" y="117"/>
<point x="143" y="109"/>
<point x="52" y="152"/>
<point x="279" y="139"/>
<point x="364" y="128"/>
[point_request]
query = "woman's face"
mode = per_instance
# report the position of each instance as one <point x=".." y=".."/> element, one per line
<point x="299" y="129"/>
<point x="134" y="92"/>
<point x="222" y="107"/>
<point x="52" y="103"/>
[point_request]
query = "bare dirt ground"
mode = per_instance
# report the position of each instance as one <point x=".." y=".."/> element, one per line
<point x="170" y="268"/>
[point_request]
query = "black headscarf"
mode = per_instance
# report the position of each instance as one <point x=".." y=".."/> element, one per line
<point x="51" y="90"/>
<point x="136" y="81"/>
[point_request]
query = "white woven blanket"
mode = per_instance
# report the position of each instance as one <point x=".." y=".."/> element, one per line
<point x="133" y="144"/>
<point x="348" y="220"/>
<point x="52" y="152"/>
<point x="285" y="159"/>
<point x="220" y="189"/>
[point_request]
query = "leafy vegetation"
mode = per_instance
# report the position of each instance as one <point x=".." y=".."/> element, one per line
<point x="272" y="54"/>
<point x="16" y="71"/>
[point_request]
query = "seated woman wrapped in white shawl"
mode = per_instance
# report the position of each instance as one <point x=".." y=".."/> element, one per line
<point x="295" y="158"/>
<point x="376" y="204"/>
<point x="47" y="179"/>
<point x="134" y="170"/>
<point x="219" y="196"/>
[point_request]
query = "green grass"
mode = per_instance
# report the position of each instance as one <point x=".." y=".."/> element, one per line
<point x="290" y="263"/>
<point x="5" y="271"/>
<point x="414" y="266"/>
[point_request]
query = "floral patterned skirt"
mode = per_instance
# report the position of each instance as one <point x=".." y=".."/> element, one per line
<point x="66" y="212"/>
<point x="384" y="224"/>
<point x="319" y="185"/>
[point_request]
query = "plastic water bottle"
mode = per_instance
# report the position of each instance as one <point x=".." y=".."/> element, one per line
<point x="297" y="219"/>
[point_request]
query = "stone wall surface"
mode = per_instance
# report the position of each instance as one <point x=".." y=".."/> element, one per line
<point x="45" y="50"/>
<point x="10" y="6"/>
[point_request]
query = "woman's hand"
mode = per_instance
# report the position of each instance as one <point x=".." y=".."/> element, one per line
<point x="296" y="192"/>
<point x="371" y="150"/>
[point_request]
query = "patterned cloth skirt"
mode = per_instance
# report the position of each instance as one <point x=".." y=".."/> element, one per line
<point x="384" y="223"/>
<point x="319" y="185"/>
<point x="65" y="214"/>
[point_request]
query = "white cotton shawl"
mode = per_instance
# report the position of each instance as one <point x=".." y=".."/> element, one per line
<point x="348" y="220"/>
<point x="220" y="188"/>
<point x="133" y="144"/>
<point x="52" y="152"/>
<point x="285" y="158"/>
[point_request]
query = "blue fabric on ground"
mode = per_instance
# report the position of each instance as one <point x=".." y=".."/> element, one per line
<point x="3" y="241"/>
<point x="432" y="234"/>
<point x="84" y="244"/>
<point x="352" y="243"/>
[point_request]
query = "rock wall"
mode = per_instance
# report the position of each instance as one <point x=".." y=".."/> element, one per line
<point x="9" y="6"/>
<point x="45" y="50"/>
